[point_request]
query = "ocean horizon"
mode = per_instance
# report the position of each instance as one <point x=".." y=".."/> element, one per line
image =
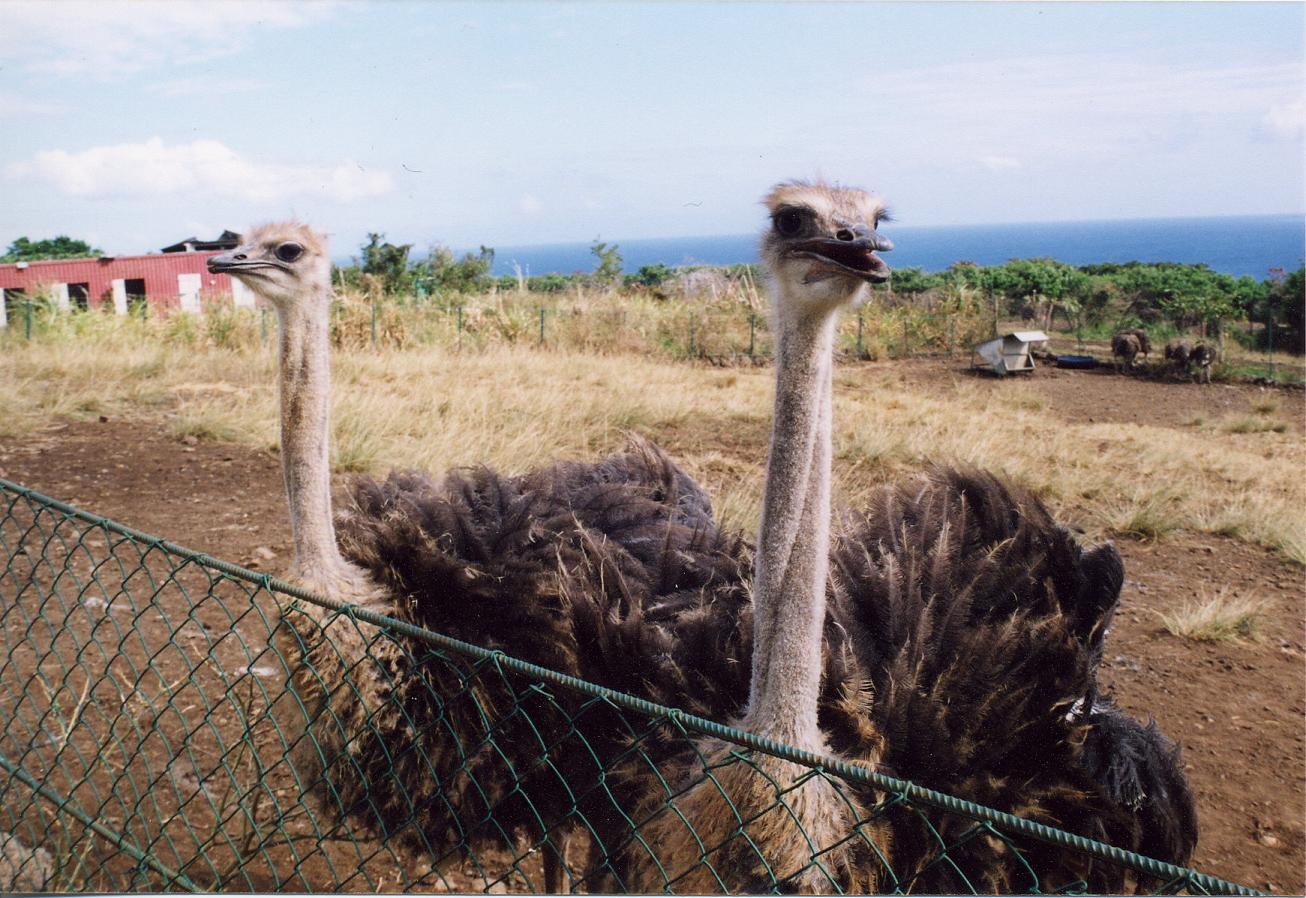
<point x="1234" y="245"/>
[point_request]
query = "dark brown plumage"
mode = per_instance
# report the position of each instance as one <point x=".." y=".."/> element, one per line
<point x="1125" y="346"/>
<point x="562" y="567"/>
<point x="962" y="639"/>
<point x="981" y="623"/>
<point x="1177" y="351"/>
<point x="1144" y="341"/>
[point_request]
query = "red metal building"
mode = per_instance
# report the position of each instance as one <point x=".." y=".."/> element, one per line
<point x="171" y="280"/>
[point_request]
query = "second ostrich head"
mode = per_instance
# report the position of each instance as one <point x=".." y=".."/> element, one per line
<point x="820" y="249"/>
<point x="820" y="255"/>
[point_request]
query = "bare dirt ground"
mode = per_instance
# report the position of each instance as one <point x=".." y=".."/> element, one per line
<point x="1236" y="708"/>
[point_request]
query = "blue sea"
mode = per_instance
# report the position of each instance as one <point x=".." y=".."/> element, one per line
<point x="1236" y="245"/>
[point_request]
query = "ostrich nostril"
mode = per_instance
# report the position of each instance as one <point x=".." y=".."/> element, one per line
<point x="239" y="257"/>
<point x="845" y="234"/>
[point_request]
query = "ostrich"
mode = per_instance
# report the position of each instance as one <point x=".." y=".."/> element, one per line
<point x="1144" y="341"/>
<point x="540" y="566"/>
<point x="615" y="572"/>
<point x="1203" y="356"/>
<point x="1125" y="346"/>
<point x="1178" y="352"/>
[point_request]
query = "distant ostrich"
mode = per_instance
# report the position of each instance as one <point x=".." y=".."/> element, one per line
<point x="1125" y="346"/>
<point x="1144" y="341"/>
<point x="1177" y="352"/>
<point x="615" y="572"/>
<point x="1202" y="357"/>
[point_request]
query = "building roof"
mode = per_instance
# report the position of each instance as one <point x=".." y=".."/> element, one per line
<point x="227" y="240"/>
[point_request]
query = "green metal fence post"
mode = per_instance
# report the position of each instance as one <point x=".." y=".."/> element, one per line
<point x="752" y="332"/>
<point x="541" y="325"/>
<point x="861" y="344"/>
<point x="1269" y="337"/>
<point x="27" y="317"/>
<point x="374" y="302"/>
<point x="906" y="343"/>
<point x="460" y="326"/>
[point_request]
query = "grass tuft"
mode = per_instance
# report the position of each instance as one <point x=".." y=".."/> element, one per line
<point x="1253" y="425"/>
<point x="1151" y="517"/>
<point x="208" y="420"/>
<point x="1221" y="617"/>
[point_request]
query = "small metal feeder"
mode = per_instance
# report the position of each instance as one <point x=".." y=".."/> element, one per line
<point x="1006" y="355"/>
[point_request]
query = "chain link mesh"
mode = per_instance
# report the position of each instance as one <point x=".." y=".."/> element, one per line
<point x="148" y="741"/>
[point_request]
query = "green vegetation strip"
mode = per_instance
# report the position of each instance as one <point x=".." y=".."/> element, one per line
<point x="1173" y="876"/>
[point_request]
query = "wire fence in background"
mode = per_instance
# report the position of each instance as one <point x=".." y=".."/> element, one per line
<point x="726" y="328"/>
<point x="149" y="741"/>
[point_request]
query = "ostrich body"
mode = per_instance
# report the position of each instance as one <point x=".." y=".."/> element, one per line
<point x="1178" y="351"/>
<point x="1125" y="346"/>
<point x="615" y="572"/>
<point x="1144" y="341"/>
<point x="1203" y="356"/>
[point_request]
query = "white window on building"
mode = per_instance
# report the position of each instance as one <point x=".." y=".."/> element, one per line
<point x="120" y="296"/>
<point x="188" y="286"/>
<point x="60" y="293"/>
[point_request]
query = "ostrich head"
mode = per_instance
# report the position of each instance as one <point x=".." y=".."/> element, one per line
<point x="821" y="246"/>
<point x="281" y="262"/>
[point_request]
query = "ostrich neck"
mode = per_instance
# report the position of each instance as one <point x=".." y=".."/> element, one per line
<point x="305" y="433"/>
<point x="792" y="554"/>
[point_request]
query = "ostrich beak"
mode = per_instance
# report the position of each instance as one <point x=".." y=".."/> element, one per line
<point x="241" y="260"/>
<point x="853" y="255"/>
<point x="228" y="261"/>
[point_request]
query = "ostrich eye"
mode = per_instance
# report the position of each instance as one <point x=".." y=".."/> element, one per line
<point x="289" y="252"/>
<point x="789" y="222"/>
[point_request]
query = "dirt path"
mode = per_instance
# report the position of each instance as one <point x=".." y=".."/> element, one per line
<point x="1237" y="709"/>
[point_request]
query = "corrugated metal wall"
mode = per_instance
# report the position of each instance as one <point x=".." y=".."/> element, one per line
<point x="159" y="273"/>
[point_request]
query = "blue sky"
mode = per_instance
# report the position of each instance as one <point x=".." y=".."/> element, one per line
<point x="134" y="124"/>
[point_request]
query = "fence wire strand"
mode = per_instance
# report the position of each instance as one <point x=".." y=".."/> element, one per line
<point x="149" y="741"/>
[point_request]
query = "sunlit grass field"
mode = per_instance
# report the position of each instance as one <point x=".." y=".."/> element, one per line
<point x="516" y="405"/>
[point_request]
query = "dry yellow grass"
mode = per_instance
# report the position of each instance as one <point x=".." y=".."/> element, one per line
<point x="1220" y="617"/>
<point x="514" y="408"/>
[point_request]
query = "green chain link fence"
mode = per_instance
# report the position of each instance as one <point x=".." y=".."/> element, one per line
<point x="147" y="741"/>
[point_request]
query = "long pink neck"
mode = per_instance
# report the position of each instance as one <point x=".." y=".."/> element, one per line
<point x="305" y="387"/>
<point x="792" y="554"/>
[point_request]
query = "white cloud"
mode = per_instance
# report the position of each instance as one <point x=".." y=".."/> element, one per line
<point x="12" y="103"/>
<point x="999" y="163"/>
<point x="104" y="39"/>
<point x="1287" y="119"/>
<point x="1085" y="84"/>
<point x="529" y="204"/>
<point x="204" y="86"/>
<point x="153" y="167"/>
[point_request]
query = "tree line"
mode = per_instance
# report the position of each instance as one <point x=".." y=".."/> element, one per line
<point x="1086" y="297"/>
